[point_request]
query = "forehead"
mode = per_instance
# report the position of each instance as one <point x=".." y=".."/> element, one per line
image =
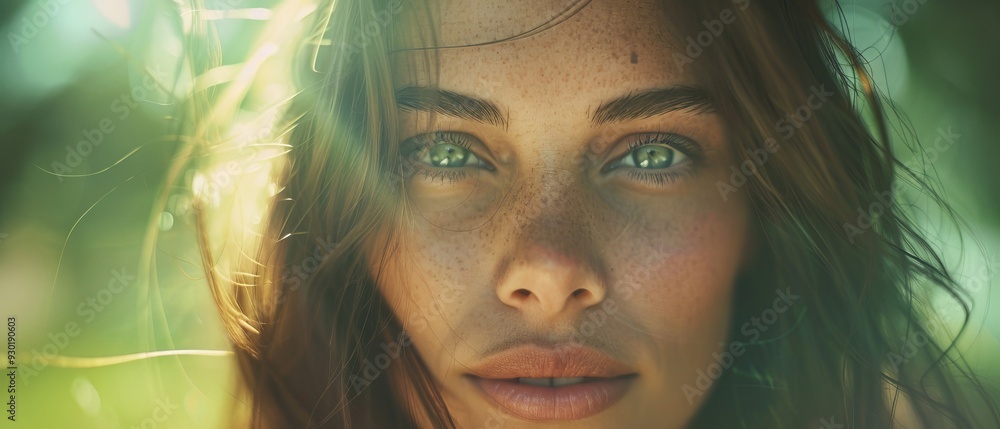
<point x="600" y="45"/>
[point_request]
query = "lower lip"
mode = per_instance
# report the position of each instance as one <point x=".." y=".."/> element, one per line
<point x="571" y="402"/>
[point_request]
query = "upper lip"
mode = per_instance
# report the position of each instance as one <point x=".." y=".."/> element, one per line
<point x="533" y="361"/>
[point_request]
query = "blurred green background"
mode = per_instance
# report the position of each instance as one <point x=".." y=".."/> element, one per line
<point x="75" y="246"/>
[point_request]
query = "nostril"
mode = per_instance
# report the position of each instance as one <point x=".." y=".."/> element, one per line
<point x="524" y="293"/>
<point x="578" y="292"/>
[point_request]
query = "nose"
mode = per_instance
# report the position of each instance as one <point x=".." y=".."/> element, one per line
<point x="545" y="283"/>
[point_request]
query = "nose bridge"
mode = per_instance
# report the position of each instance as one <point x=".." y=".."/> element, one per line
<point x="551" y="192"/>
<point x="551" y="202"/>
<point x="550" y="270"/>
<point x="555" y="219"/>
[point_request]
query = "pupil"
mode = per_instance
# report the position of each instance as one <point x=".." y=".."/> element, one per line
<point x="447" y="154"/>
<point x="653" y="157"/>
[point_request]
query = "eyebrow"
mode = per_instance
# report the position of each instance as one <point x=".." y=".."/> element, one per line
<point x="635" y="105"/>
<point x="450" y="103"/>
<point x="654" y="102"/>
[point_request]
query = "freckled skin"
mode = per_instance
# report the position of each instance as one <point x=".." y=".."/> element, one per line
<point x="530" y="250"/>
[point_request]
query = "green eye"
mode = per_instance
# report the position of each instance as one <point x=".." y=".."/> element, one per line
<point x="448" y="155"/>
<point x="443" y="150"/>
<point x="656" y="159"/>
<point x="653" y="156"/>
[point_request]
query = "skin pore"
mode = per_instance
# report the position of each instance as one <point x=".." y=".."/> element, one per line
<point x="562" y="217"/>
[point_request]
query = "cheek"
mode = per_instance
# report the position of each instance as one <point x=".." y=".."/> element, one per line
<point x="425" y="281"/>
<point x="419" y="288"/>
<point x="679" y="278"/>
<point x="678" y="270"/>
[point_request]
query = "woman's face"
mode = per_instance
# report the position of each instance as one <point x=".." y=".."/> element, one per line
<point x="565" y="256"/>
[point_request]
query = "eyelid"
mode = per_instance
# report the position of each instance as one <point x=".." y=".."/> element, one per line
<point x="428" y="138"/>
<point x="673" y="140"/>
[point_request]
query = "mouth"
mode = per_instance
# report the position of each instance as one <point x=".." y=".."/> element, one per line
<point x="544" y="384"/>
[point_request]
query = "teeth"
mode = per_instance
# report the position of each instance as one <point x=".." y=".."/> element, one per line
<point x="550" y="382"/>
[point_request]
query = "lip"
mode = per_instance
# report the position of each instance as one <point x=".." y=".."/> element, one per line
<point x="606" y="382"/>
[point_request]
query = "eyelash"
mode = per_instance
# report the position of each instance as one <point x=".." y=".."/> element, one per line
<point x="660" y="179"/>
<point x="424" y="142"/>
<point x="451" y="175"/>
<point x="446" y="175"/>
